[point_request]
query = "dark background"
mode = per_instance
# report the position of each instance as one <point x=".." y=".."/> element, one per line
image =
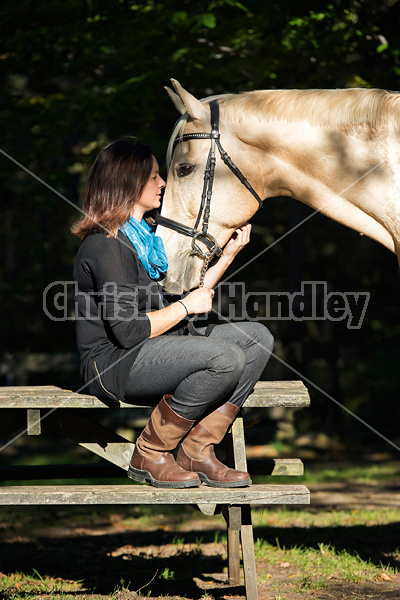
<point x="77" y="74"/>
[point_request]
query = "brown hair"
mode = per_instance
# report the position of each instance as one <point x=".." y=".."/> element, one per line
<point x="116" y="181"/>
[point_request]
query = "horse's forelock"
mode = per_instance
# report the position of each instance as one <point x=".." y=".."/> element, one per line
<point x="181" y="124"/>
<point x="176" y="133"/>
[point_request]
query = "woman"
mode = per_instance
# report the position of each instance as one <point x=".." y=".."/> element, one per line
<point x="132" y="344"/>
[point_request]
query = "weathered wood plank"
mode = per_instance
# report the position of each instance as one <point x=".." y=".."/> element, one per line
<point x="207" y="509"/>
<point x="233" y="518"/>
<point x="266" y="393"/>
<point x="286" y="466"/>
<point x="279" y="393"/>
<point x="143" y="494"/>
<point x="46" y="397"/>
<point x="33" y="425"/>
<point x="249" y="560"/>
<point x="238" y="444"/>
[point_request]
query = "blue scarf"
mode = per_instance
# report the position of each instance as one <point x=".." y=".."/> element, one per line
<point x="150" y="247"/>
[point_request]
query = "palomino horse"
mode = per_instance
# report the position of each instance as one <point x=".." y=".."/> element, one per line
<point x="335" y="150"/>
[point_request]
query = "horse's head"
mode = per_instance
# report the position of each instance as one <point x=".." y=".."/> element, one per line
<point x="231" y="204"/>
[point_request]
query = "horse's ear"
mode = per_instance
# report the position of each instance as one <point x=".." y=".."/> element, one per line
<point x="186" y="102"/>
<point x="176" y="100"/>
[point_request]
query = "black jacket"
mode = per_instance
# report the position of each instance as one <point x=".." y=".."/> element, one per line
<point x="112" y="294"/>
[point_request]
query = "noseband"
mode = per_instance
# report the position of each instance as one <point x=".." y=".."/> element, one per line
<point x="197" y="235"/>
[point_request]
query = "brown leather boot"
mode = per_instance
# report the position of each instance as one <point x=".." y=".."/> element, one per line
<point x="151" y="460"/>
<point x="197" y="450"/>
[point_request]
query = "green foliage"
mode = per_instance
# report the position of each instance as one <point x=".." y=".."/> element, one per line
<point x="167" y="574"/>
<point x="78" y="74"/>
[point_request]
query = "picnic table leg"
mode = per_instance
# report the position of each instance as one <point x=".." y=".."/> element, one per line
<point x="237" y="454"/>
<point x="249" y="560"/>
<point x="238" y="444"/>
<point x="233" y="518"/>
<point x="33" y="423"/>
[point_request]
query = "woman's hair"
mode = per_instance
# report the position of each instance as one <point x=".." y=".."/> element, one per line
<point x="116" y="181"/>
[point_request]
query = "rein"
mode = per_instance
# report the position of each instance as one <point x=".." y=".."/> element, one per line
<point x="195" y="233"/>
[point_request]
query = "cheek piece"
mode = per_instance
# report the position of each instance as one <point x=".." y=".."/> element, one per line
<point x="197" y="234"/>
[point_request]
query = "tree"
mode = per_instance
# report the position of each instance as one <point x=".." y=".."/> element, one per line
<point x="78" y="74"/>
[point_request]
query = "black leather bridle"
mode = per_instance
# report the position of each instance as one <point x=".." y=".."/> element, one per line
<point x="197" y="235"/>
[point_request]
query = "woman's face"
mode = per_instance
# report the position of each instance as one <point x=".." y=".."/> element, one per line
<point x="151" y="195"/>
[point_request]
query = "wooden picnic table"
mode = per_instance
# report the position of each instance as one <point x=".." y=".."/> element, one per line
<point x="31" y="409"/>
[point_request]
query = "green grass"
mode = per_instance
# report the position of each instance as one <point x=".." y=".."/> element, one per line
<point x="306" y="518"/>
<point x="316" y="566"/>
<point x="388" y="472"/>
<point x="21" y="585"/>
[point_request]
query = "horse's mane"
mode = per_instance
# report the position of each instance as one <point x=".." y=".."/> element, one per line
<point x="177" y="132"/>
<point x="322" y="108"/>
<point x="335" y="108"/>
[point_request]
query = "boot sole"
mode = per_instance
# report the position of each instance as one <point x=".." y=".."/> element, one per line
<point x="146" y="477"/>
<point x="224" y="484"/>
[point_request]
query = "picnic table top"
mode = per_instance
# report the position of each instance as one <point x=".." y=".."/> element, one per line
<point x="265" y="394"/>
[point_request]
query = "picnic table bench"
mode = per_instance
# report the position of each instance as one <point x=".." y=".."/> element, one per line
<point x="33" y="409"/>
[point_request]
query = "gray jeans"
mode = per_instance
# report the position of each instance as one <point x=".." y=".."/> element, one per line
<point x="201" y="372"/>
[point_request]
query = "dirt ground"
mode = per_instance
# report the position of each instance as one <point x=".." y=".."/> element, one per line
<point x="113" y="557"/>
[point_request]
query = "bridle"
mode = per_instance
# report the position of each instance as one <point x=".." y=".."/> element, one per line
<point x="202" y="235"/>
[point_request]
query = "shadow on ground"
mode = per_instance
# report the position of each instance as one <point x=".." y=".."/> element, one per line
<point x="105" y="558"/>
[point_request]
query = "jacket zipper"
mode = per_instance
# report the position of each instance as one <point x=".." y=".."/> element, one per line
<point x="101" y="383"/>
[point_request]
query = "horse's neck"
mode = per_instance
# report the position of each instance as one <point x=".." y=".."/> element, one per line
<point x="272" y="116"/>
<point x="343" y="172"/>
<point x="311" y="139"/>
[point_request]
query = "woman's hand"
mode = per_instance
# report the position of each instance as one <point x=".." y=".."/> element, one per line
<point x="237" y="241"/>
<point x="235" y="244"/>
<point x="199" y="301"/>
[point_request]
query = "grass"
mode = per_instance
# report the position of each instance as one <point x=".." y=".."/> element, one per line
<point x="316" y="566"/>
<point x="308" y="519"/>
<point x="21" y="585"/>
<point x="387" y="472"/>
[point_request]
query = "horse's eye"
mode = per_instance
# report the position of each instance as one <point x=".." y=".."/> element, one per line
<point x="185" y="170"/>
